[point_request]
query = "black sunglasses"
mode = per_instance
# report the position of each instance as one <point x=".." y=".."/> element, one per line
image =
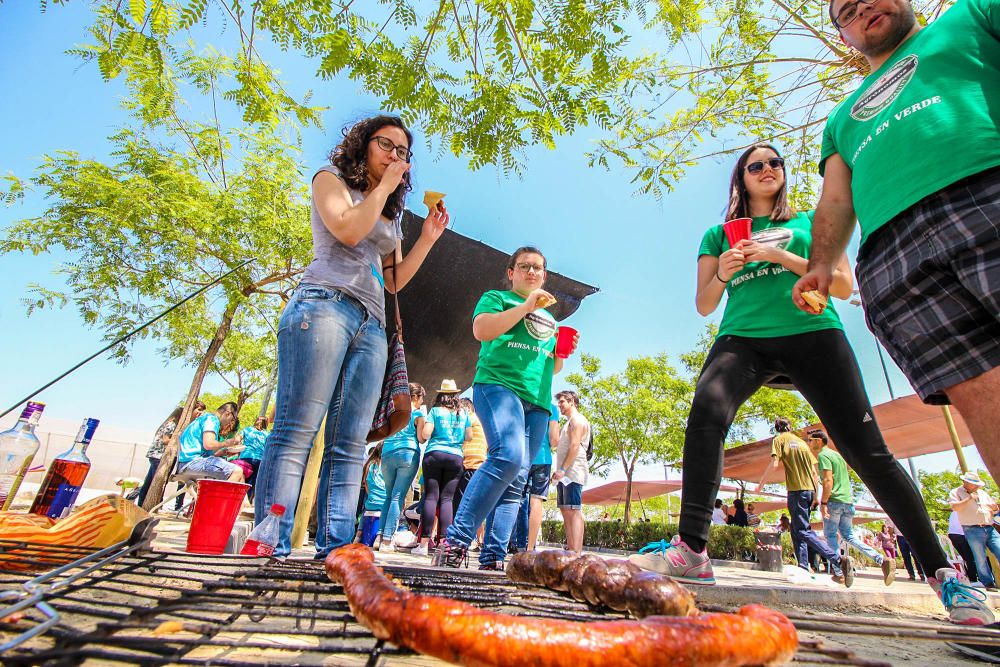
<point x="758" y="166"/>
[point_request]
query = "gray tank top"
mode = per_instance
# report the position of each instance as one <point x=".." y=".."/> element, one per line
<point x="355" y="271"/>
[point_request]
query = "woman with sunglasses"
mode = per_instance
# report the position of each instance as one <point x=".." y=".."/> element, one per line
<point x="332" y="345"/>
<point x="764" y="336"/>
<point x="512" y="394"/>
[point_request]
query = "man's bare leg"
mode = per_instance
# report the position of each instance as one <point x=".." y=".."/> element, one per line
<point x="978" y="401"/>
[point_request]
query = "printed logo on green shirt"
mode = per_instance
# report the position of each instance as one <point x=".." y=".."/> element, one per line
<point x="885" y="89"/>
<point x="540" y="325"/>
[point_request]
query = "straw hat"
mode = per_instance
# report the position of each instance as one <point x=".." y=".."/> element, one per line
<point x="972" y="478"/>
<point x="448" y="386"/>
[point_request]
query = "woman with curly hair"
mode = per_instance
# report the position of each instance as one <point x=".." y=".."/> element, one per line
<point x="332" y="344"/>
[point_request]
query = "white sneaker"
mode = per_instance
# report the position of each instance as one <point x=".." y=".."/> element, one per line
<point x="421" y="550"/>
<point x="386" y="547"/>
<point x="966" y="605"/>
<point x="675" y="559"/>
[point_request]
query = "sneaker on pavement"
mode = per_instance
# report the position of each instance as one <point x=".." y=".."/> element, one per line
<point x="847" y="567"/>
<point x="966" y="605"/>
<point x="888" y="570"/>
<point x="386" y="547"/>
<point x="450" y="554"/>
<point x="675" y="559"/>
<point x="422" y="549"/>
<point x="495" y="566"/>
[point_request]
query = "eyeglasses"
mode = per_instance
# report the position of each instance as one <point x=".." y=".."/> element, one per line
<point x="849" y="12"/>
<point x="775" y="163"/>
<point x="524" y="267"/>
<point x="386" y="144"/>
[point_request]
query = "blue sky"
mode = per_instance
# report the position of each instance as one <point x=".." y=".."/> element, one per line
<point x="640" y="252"/>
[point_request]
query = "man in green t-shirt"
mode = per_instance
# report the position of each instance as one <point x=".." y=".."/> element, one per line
<point x="837" y="503"/>
<point x="790" y="452"/>
<point x="914" y="153"/>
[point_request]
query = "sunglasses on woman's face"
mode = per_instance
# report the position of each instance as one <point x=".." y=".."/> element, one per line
<point x="774" y="163"/>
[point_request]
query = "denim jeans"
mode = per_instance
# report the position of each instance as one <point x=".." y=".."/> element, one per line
<point x="981" y="538"/>
<point x="399" y="467"/>
<point x="538" y="485"/>
<point x="153" y="465"/>
<point x="803" y="537"/>
<point x="331" y="362"/>
<point x="842" y="521"/>
<point x="515" y="430"/>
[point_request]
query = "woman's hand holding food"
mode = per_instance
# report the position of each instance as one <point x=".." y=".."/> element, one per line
<point x="539" y="298"/>
<point x="393" y="176"/>
<point x="759" y="252"/>
<point x="435" y="223"/>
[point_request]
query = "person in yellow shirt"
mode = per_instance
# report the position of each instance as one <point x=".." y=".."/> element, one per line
<point x="791" y="452"/>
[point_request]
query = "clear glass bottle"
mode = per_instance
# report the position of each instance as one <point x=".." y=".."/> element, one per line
<point x="262" y="539"/>
<point x="65" y="477"/>
<point x="18" y="447"/>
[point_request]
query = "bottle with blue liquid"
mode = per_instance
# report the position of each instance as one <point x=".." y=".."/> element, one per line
<point x="65" y="477"/>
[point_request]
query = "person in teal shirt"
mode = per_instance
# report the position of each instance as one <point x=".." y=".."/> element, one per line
<point x="400" y="461"/>
<point x="253" y="438"/>
<point x="764" y="338"/>
<point x="202" y="452"/>
<point x="914" y="155"/>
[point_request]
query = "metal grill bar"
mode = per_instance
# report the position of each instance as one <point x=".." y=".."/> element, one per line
<point x="243" y="612"/>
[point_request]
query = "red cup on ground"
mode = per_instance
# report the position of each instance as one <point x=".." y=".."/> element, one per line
<point x="215" y="513"/>
<point x="737" y="230"/>
<point x="564" y="341"/>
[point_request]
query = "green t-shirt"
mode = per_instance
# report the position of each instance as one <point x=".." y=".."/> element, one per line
<point x="834" y="462"/>
<point x="759" y="303"/>
<point x="798" y="460"/>
<point x="926" y="118"/>
<point x="521" y="359"/>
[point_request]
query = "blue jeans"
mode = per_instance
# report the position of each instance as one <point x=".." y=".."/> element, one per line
<point x="803" y="537"/>
<point x="331" y="362"/>
<point x="399" y="467"/>
<point x="981" y="538"/>
<point x="515" y="430"/>
<point x="841" y="521"/>
<point x="538" y="485"/>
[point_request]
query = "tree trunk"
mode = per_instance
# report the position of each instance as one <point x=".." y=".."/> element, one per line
<point x="628" y="496"/>
<point x="163" y="471"/>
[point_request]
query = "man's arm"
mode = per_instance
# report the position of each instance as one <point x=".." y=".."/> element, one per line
<point x="775" y="464"/>
<point x="831" y="230"/>
<point x="827" y="490"/>
<point x="956" y="500"/>
<point x="553" y="435"/>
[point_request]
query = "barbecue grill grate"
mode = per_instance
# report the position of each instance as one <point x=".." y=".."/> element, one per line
<point x="159" y="608"/>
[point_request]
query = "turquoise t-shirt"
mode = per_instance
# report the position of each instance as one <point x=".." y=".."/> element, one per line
<point x="522" y="358"/>
<point x="449" y="430"/>
<point x="759" y="303"/>
<point x="190" y="441"/>
<point x="544" y="456"/>
<point x="407" y="437"/>
<point x="375" y="484"/>
<point x="929" y="116"/>
<point x="253" y="443"/>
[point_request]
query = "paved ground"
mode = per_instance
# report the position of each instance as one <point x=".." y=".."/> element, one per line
<point x="789" y="591"/>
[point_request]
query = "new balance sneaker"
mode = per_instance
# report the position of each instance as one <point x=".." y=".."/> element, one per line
<point x="966" y="605"/>
<point x="888" y="570"/>
<point x="422" y="549"/>
<point x="450" y="554"/>
<point x="675" y="559"/>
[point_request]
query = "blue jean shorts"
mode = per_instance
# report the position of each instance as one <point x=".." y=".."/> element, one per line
<point x="210" y="467"/>
<point x="569" y="496"/>
<point x="538" y="480"/>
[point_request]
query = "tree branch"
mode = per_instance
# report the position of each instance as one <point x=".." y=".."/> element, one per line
<point x="808" y="26"/>
<point x="461" y="33"/>
<point x="524" y="59"/>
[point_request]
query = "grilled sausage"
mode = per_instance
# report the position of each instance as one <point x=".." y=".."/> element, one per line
<point x="652" y="594"/>
<point x="616" y="582"/>
<point x="549" y="566"/>
<point x="463" y="634"/>
<point x="521" y="567"/>
<point x="572" y="576"/>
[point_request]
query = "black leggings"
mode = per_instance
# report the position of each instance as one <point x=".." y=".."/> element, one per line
<point x="822" y="366"/>
<point x="442" y="472"/>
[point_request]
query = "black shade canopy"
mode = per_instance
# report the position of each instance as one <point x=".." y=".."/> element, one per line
<point x="436" y="306"/>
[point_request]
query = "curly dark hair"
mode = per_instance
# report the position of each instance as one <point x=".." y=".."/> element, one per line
<point x="349" y="156"/>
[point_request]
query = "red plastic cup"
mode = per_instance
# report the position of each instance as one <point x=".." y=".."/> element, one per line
<point x="564" y="341"/>
<point x="737" y="230"/>
<point x="215" y="513"/>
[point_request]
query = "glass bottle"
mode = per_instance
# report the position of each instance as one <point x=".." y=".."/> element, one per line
<point x="18" y="447"/>
<point x="262" y="539"/>
<point x="65" y="477"/>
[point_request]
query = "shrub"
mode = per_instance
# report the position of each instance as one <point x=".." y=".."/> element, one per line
<point x="724" y="542"/>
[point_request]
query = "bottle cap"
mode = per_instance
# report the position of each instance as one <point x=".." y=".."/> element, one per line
<point x="277" y="509"/>
<point x="88" y="428"/>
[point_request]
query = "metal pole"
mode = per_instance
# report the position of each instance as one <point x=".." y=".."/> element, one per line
<point x="124" y="338"/>
<point x="955" y="441"/>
